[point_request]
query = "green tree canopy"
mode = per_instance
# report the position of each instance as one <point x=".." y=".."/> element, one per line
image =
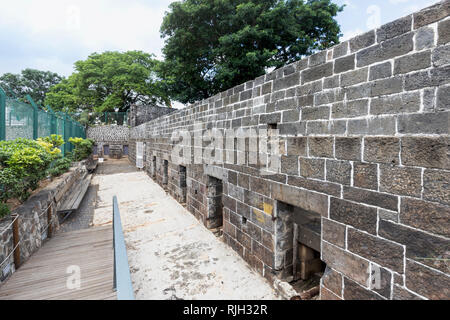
<point x="211" y="46"/>
<point x="34" y="82"/>
<point x="109" y="80"/>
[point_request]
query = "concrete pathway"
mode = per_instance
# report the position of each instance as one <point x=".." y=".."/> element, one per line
<point x="171" y="255"/>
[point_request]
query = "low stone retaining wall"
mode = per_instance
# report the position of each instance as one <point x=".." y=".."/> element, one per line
<point x="37" y="220"/>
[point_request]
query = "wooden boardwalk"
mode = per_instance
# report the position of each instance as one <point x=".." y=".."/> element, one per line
<point x="44" y="276"/>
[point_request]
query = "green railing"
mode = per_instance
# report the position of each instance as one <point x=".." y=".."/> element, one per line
<point x="22" y="120"/>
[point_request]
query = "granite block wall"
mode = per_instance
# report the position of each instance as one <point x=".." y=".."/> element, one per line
<point x="364" y="145"/>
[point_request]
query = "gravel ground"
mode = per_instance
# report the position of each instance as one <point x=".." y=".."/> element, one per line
<point x="171" y="255"/>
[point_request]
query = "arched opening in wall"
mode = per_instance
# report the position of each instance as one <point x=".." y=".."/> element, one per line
<point x="154" y="167"/>
<point x="183" y="185"/>
<point x="125" y="150"/>
<point x="214" y="205"/>
<point x="297" y="246"/>
<point x="165" y="172"/>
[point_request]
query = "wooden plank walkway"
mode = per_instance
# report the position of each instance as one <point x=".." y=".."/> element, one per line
<point x="44" y="276"/>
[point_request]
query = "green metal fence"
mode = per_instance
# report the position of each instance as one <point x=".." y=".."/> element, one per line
<point x="22" y="120"/>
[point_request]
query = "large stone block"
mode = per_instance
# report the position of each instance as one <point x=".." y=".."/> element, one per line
<point x="362" y="41"/>
<point x="388" y="49"/>
<point x="312" y="168"/>
<point x="338" y="171"/>
<point x="318" y="72"/>
<point x="427" y="282"/>
<point x="441" y="56"/>
<point x="383" y="149"/>
<point x="321" y="146"/>
<point x="348" y="148"/>
<point x="424" y="123"/>
<point x="424" y="38"/>
<point x="344" y="64"/>
<point x="425" y="152"/>
<point x="365" y="175"/>
<point x="413" y="62"/>
<point x="316" y="113"/>
<point x="407" y="102"/>
<point x="353" y="291"/>
<point x="380" y="251"/>
<point x="436" y="186"/>
<point x="332" y="280"/>
<point x="394" y="28"/>
<point x="443" y="98"/>
<point x="427" y="216"/>
<point x="444" y="32"/>
<point x="380" y="71"/>
<point x="326" y="127"/>
<point x="356" y="215"/>
<point x="431" y="14"/>
<point x="372" y="198"/>
<point x="350" y="109"/>
<point x="333" y="232"/>
<point x="387" y="86"/>
<point x="346" y="263"/>
<point x="314" y="185"/>
<point x="307" y="200"/>
<point x="354" y="77"/>
<point x="404" y="181"/>
<point x="420" y="246"/>
<point x="296" y="146"/>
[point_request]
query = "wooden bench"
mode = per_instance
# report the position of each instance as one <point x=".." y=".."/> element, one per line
<point x="73" y="201"/>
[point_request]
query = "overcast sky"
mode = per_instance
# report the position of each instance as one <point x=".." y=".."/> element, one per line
<point x="53" y="34"/>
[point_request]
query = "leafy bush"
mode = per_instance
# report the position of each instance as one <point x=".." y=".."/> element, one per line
<point x="25" y="162"/>
<point x="4" y="210"/>
<point x="60" y="166"/>
<point x="83" y="148"/>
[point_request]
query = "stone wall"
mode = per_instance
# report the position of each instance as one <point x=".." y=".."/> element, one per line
<point x="116" y="137"/>
<point x="33" y="219"/>
<point x="364" y="129"/>
<point x="140" y="114"/>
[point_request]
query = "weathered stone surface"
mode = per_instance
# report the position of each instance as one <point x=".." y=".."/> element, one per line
<point x="327" y="127"/>
<point x="340" y="49"/>
<point x="316" y="113"/>
<point x="430" y="217"/>
<point x="394" y="28"/>
<point x="420" y="246"/>
<point x="356" y="215"/>
<point x="413" y="62"/>
<point x="365" y="175"/>
<point x="425" y="152"/>
<point x="320" y="147"/>
<point x="318" y="72"/>
<point x="312" y="168"/>
<point x="372" y="198"/>
<point x="350" y="109"/>
<point x="424" y="281"/>
<point x="424" y="38"/>
<point x="354" y="77"/>
<point x="436" y="186"/>
<point x="441" y="56"/>
<point x="385" y="150"/>
<point x="408" y="102"/>
<point x="386" y="50"/>
<point x="333" y="232"/>
<point x="381" y="281"/>
<point x="332" y="82"/>
<point x="431" y="14"/>
<point x="346" y="263"/>
<point x="332" y="280"/>
<point x="318" y="58"/>
<point x="403" y="294"/>
<point x="377" y="126"/>
<point x="326" y="294"/>
<point x="362" y="41"/>
<point x="338" y="171"/>
<point x="383" y="252"/>
<point x="348" y="148"/>
<point x="319" y="186"/>
<point x="380" y="71"/>
<point x="307" y="200"/>
<point x="387" y="86"/>
<point x="344" y="64"/>
<point x="296" y="146"/>
<point x="353" y="291"/>
<point x="289" y="164"/>
<point x="401" y="180"/>
<point x="443" y="98"/>
<point x="444" y="32"/>
<point x="388" y="215"/>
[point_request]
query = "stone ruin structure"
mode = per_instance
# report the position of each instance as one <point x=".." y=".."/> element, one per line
<point x="362" y="197"/>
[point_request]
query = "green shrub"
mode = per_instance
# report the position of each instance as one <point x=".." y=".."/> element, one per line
<point x="4" y="210"/>
<point x="60" y="166"/>
<point x="83" y="148"/>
